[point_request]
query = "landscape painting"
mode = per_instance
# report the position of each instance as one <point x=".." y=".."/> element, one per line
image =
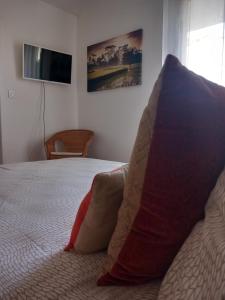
<point x="116" y="62"/>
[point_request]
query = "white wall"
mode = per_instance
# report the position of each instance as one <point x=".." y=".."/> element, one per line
<point x="114" y="114"/>
<point x="40" y="23"/>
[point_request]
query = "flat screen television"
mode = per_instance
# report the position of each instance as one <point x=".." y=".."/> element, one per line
<point x="46" y="65"/>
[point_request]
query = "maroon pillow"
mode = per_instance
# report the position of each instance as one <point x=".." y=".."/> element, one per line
<point x="178" y="156"/>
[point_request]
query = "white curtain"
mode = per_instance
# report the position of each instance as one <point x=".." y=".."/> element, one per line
<point x="194" y="31"/>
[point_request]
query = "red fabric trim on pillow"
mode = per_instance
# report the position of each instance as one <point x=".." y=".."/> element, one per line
<point x="79" y="219"/>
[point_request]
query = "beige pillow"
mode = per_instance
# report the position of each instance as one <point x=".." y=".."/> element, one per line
<point x="97" y="215"/>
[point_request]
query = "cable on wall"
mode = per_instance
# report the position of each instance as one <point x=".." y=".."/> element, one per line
<point x="36" y="128"/>
<point x="43" y="115"/>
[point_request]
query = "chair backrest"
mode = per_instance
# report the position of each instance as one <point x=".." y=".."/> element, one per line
<point x="75" y="140"/>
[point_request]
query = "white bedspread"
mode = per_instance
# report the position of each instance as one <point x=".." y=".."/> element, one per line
<point x="38" y="202"/>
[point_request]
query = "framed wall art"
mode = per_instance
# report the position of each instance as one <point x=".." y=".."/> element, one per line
<point x="115" y="63"/>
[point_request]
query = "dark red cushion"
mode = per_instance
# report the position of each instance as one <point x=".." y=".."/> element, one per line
<point x="186" y="156"/>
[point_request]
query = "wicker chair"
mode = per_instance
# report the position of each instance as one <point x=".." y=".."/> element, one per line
<point x="74" y="143"/>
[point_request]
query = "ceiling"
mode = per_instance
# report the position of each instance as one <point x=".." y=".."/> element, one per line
<point x="77" y="6"/>
<point x="71" y="6"/>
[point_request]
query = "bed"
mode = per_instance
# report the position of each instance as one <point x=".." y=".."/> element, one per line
<point x="38" y="202"/>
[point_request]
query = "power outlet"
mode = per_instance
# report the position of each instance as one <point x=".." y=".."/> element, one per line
<point x="11" y="94"/>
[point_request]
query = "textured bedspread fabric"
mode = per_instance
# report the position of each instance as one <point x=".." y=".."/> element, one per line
<point x="38" y="202"/>
<point x="198" y="271"/>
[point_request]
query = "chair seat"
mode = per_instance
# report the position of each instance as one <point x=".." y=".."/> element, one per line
<point x="67" y="153"/>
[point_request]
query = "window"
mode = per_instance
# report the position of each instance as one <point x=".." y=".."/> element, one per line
<point x="200" y="35"/>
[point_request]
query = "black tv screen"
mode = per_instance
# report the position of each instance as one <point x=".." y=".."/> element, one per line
<point x="46" y="65"/>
